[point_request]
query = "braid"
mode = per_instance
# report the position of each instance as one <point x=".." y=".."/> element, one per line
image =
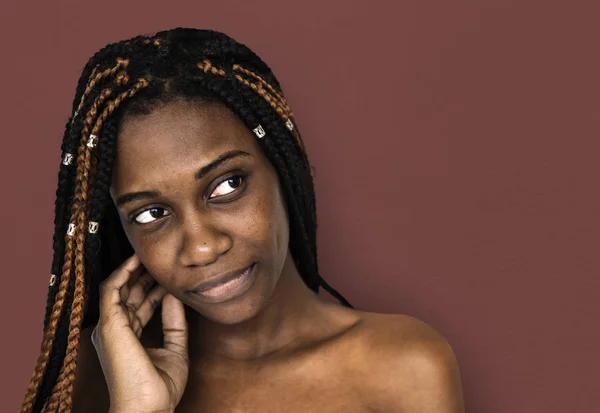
<point x="62" y="297"/>
<point x="63" y="192"/>
<point x="62" y="392"/>
<point x="296" y="158"/>
<point x="65" y="177"/>
<point x="63" y="200"/>
<point x="121" y="64"/>
<point x="300" y="241"/>
<point x="274" y="98"/>
<point x="171" y="64"/>
<point x="61" y="294"/>
<point x="98" y="206"/>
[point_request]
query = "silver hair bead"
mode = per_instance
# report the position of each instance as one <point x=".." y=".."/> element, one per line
<point x="259" y="131"/>
<point x="68" y="159"/>
<point x="289" y="124"/>
<point x="93" y="227"/>
<point x="52" y="279"/>
<point x="71" y="230"/>
<point x="92" y="141"/>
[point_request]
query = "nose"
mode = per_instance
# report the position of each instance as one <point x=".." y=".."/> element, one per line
<point x="203" y="242"/>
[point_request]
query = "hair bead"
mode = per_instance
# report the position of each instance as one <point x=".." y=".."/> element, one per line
<point x="92" y="141"/>
<point x="259" y="131"/>
<point x="71" y="230"/>
<point x="68" y="159"/>
<point x="52" y="279"/>
<point x="289" y="124"/>
<point x="93" y="227"/>
<point x="75" y="114"/>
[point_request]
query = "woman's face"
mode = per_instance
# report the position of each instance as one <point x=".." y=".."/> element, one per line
<point x="198" y="200"/>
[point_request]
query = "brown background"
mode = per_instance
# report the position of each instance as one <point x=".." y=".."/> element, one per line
<point x="456" y="154"/>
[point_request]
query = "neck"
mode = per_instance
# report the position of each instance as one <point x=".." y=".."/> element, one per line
<point x="289" y="316"/>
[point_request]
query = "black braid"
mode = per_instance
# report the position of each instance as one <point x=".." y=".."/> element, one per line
<point x="67" y="174"/>
<point x="64" y="199"/>
<point x="100" y="201"/>
<point x="61" y="219"/>
<point x="65" y="190"/>
<point x="288" y="156"/>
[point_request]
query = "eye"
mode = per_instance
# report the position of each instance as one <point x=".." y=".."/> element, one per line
<point x="228" y="186"/>
<point x="150" y="215"/>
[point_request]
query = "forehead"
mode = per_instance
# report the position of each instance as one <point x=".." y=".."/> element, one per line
<point x="177" y="136"/>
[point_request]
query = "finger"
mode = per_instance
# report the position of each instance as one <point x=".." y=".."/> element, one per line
<point x="139" y="290"/>
<point x="110" y="289"/>
<point x="146" y="310"/>
<point x="135" y="275"/>
<point x="175" y="328"/>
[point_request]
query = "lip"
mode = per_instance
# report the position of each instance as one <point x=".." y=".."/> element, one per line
<point x="225" y="286"/>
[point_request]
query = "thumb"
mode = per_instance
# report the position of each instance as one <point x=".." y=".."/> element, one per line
<point x="174" y="325"/>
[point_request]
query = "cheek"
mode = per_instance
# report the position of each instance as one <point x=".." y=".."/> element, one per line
<point x="158" y="258"/>
<point x="268" y="224"/>
<point x="258" y="226"/>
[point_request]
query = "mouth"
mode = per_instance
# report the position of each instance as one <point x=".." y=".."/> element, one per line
<point x="226" y="286"/>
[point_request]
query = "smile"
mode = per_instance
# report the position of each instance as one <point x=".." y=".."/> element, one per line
<point x="228" y="288"/>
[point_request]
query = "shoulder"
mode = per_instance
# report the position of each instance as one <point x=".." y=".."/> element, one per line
<point x="407" y="365"/>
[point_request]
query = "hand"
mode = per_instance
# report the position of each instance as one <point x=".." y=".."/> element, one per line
<point x="140" y="379"/>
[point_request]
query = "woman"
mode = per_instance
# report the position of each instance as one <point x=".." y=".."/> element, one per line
<point x="185" y="191"/>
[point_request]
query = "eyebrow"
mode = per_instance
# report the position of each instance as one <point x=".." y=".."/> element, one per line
<point x="205" y="170"/>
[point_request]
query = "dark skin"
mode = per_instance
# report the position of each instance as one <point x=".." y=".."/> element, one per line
<point x="278" y="346"/>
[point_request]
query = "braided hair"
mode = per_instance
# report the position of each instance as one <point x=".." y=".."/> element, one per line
<point x="135" y="76"/>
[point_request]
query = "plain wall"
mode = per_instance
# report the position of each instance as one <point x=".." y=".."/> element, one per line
<point x="456" y="153"/>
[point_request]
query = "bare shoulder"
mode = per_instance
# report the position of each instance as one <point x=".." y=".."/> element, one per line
<point x="407" y="365"/>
